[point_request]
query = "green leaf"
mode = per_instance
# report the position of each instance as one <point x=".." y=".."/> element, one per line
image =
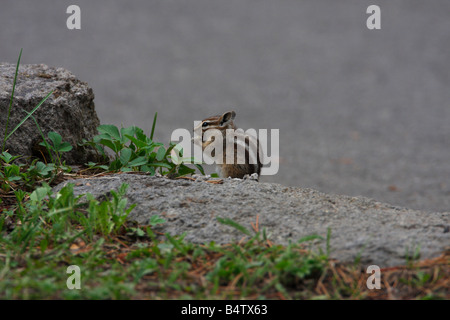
<point x="93" y="165"/>
<point x="115" y="165"/>
<point x="141" y="135"/>
<point x="171" y="146"/>
<point x="110" y="130"/>
<point x="55" y="138"/>
<point x="200" y="168"/>
<point x="160" y="155"/>
<point x="44" y="169"/>
<point x="139" y="161"/>
<point x="146" y="168"/>
<point x="39" y="194"/>
<point x="65" y="147"/>
<point x="109" y="144"/>
<point x="14" y="178"/>
<point x="138" y="143"/>
<point x="125" y="156"/>
<point x="125" y="132"/>
<point x="139" y="232"/>
<point x="155" y="219"/>
<point x="158" y="144"/>
<point x="159" y="164"/>
<point x="7" y="157"/>
<point x="184" y="170"/>
<point x="99" y="137"/>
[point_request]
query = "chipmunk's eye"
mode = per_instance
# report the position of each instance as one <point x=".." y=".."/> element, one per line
<point x="205" y="124"/>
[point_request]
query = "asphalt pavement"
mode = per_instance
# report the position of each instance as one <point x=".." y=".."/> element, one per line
<point x="360" y="112"/>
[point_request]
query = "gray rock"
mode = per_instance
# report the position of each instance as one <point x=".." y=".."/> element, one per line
<point x="382" y="234"/>
<point x="70" y="110"/>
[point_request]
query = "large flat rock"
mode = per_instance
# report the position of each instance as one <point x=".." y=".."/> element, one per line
<point x="382" y="234"/>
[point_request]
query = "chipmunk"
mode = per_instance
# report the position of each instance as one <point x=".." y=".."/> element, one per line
<point x="246" y="147"/>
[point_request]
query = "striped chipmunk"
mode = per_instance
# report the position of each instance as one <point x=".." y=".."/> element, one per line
<point x="238" y="155"/>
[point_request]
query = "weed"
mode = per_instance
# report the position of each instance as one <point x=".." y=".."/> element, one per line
<point x="56" y="145"/>
<point x="16" y="176"/>
<point x="134" y="151"/>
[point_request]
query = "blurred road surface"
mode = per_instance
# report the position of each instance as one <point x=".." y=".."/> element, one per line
<point x="360" y="112"/>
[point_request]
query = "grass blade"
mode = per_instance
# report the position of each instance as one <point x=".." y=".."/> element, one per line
<point x="29" y="115"/>
<point x="153" y="126"/>
<point x="200" y="168"/>
<point x="43" y="138"/>
<point x="234" y="224"/>
<point x="11" y="101"/>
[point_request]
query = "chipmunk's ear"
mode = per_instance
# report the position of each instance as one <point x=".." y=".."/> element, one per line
<point x="227" y="117"/>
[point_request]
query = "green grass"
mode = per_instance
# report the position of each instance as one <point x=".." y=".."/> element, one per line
<point x="46" y="232"/>
<point x="52" y="231"/>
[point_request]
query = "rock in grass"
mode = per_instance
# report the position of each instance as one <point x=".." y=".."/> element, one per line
<point x="379" y="233"/>
<point x="70" y="110"/>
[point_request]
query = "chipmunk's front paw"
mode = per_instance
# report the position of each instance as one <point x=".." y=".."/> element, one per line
<point x="253" y="176"/>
